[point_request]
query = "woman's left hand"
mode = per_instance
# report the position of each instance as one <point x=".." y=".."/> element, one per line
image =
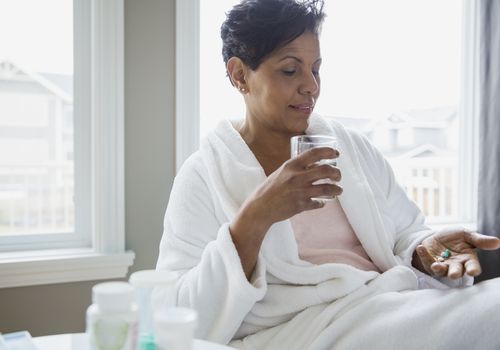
<point x="452" y="252"/>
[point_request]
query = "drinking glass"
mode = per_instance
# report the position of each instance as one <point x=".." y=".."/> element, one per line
<point x="302" y="143"/>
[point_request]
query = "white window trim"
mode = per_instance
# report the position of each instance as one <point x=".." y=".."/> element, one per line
<point x="187" y="100"/>
<point x="106" y="258"/>
<point x="468" y="163"/>
<point x="187" y="79"/>
<point x="61" y="266"/>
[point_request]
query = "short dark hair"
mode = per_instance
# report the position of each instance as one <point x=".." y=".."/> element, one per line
<point x="253" y="29"/>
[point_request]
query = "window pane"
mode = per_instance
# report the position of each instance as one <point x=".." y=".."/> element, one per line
<point x="391" y="70"/>
<point x="36" y="117"/>
<point x="218" y="98"/>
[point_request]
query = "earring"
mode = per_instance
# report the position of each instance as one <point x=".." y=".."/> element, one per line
<point x="242" y="89"/>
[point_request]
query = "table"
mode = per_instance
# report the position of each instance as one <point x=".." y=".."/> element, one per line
<point x="79" y="341"/>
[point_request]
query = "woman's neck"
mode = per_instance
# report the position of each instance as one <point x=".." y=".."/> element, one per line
<point x="271" y="148"/>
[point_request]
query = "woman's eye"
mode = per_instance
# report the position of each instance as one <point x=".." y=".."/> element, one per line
<point x="289" y="72"/>
<point x="315" y="73"/>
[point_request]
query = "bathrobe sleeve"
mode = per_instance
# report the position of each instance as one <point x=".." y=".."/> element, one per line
<point x="408" y="221"/>
<point x="198" y="248"/>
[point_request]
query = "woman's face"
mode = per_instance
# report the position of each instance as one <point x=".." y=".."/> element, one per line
<point x="283" y="90"/>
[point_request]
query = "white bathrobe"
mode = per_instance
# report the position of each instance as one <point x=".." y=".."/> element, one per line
<point x="290" y="303"/>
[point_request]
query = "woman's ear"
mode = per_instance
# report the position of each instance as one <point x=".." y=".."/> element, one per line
<point x="236" y="71"/>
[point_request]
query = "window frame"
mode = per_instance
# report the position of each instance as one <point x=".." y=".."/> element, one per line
<point x="187" y="79"/>
<point x="97" y="251"/>
<point x="188" y="117"/>
<point x="468" y="165"/>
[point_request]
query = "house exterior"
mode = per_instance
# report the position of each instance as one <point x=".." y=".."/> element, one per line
<point x="421" y="146"/>
<point x="36" y="151"/>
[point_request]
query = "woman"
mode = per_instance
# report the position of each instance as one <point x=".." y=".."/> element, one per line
<point x="266" y="266"/>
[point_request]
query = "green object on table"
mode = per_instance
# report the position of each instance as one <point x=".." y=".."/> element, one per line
<point x="147" y="342"/>
<point x="110" y="335"/>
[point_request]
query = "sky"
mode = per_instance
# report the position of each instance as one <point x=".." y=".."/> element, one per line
<point x="37" y="34"/>
<point x="379" y="57"/>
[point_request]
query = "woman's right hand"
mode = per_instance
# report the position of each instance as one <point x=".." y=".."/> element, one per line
<point x="289" y="190"/>
<point x="286" y="192"/>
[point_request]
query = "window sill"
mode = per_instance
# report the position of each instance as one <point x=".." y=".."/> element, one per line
<point x="61" y="266"/>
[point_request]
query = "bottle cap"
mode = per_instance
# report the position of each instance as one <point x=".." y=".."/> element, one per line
<point x="152" y="278"/>
<point x="113" y="295"/>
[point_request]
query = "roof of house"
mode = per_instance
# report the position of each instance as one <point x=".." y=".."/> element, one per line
<point x="430" y="118"/>
<point x="435" y="118"/>
<point x="59" y="85"/>
<point x="364" y="125"/>
<point x="419" y="151"/>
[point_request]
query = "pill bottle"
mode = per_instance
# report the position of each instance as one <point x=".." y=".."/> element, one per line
<point x="145" y="282"/>
<point x="112" y="319"/>
<point x="175" y="328"/>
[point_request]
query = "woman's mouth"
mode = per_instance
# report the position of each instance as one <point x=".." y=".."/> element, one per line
<point x="303" y="108"/>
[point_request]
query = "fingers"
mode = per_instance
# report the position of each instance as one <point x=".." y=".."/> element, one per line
<point x="311" y="170"/>
<point x="473" y="267"/>
<point x="439" y="269"/>
<point x="425" y="258"/>
<point x="314" y="155"/>
<point x="316" y="204"/>
<point x="455" y="270"/>
<point x="482" y="241"/>
<point x="323" y="172"/>
<point x="324" y="190"/>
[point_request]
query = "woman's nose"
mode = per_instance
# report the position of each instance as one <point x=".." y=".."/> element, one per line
<point x="310" y="85"/>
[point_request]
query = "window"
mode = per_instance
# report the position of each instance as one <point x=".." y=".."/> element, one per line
<point x="61" y="141"/>
<point x="403" y="78"/>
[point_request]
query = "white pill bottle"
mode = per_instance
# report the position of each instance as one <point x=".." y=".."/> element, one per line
<point x="112" y="319"/>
